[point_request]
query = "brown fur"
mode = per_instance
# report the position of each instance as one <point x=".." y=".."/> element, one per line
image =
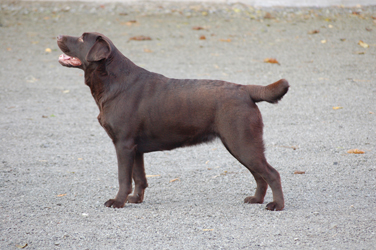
<point x="143" y="112"/>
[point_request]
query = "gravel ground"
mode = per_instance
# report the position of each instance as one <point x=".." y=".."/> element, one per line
<point x="58" y="166"/>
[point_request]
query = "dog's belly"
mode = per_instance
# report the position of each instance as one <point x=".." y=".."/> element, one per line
<point x="171" y="140"/>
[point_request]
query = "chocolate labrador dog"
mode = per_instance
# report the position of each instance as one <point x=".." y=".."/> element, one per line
<point x="143" y="111"/>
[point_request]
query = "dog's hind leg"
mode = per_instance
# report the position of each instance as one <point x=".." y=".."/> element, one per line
<point x="262" y="186"/>
<point x="243" y="139"/>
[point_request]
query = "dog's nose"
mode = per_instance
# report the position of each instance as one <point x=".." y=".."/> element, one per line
<point x="59" y="37"/>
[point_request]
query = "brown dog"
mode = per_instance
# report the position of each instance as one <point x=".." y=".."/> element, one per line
<point x="143" y="112"/>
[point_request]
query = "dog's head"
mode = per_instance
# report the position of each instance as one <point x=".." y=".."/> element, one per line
<point x="81" y="52"/>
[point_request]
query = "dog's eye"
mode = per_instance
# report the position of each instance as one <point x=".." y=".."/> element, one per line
<point x="80" y="40"/>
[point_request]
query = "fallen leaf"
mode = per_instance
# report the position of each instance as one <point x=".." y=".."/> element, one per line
<point x="271" y="60"/>
<point x="360" y="80"/>
<point x="80" y="159"/>
<point x="360" y="52"/>
<point x="44" y="116"/>
<point x="48" y="50"/>
<point x="225" y="40"/>
<point x="9" y="49"/>
<point x="299" y="172"/>
<point x="66" y="91"/>
<point x="204" y="13"/>
<point x="363" y="44"/>
<point x="46" y="17"/>
<point x="61" y="195"/>
<point x="368" y="29"/>
<point x="236" y="10"/>
<point x="342" y="39"/>
<point x="147" y="50"/>
<point x="338" y="107"/>
<point x="197" y="28"/>
<point x="207" y="229"/>
<point x="323" y="41"/>
<point x="268" y="16"/>
<point x="153" y="175"/>
<point x="31" y="79"/>
<point x="313" y="32"/>
<point x="140" y="38"/>
<point x="202" y="37"/>
<point x="130" y="23"/>
<point x="355" y="151"/>
<point x="207" y="162"/>
<point x="21" y="246"/>
<point x="176" y="179"/>
<point x="330" y="26"/>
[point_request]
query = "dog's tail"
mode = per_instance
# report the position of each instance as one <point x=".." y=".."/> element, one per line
<point x="271" y="93"/>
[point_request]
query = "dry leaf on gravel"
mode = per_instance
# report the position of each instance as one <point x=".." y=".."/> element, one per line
<point x="130" y="23"/>
<point x="147" y="50"/>
<point x="140" y="38"/>
<point x="363" y="44"/>
<point x="338" y="107"/>
<point x="271" y="60"/>
<point x="176" y="179"/>
<point x="48" y="50"/>
<point x="61" y="195"/>
<point x="21" y="246"/>
<point x="313" y="32"/>
<point x="202" y="37"/>
<point x="268" y="16"/>
<point x="355" y="151"/>
<point x="207" y="229"/>
<point x="31" y="79"/>
<point x="225" y="40"/>
<point x="197" y="28"/>
<point x="299" y="172"/>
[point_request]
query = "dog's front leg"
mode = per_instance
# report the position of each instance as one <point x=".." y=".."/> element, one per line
<point x="139" y="178"/>
<point x="125" y="157"/>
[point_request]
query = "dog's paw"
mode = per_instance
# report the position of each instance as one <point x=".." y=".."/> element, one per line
<point x="253" y="200"/>
<point x="274" y="206"/>
<point x="114" y="203"/>
<point x="135" y="199"/>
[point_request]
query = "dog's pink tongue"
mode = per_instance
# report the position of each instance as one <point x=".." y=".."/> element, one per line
<point x="74" y="61"/>
<point x="64" y="57"/>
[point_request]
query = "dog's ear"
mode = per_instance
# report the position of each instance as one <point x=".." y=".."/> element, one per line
<point x="100" y="50"/>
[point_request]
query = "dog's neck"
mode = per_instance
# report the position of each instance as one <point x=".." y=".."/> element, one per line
<point x="102" y="80"/>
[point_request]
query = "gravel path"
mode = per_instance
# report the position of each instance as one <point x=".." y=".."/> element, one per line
<point x="58" y="166"/>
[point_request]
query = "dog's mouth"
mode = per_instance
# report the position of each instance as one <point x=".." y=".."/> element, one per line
<point x="69" y="61"/>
